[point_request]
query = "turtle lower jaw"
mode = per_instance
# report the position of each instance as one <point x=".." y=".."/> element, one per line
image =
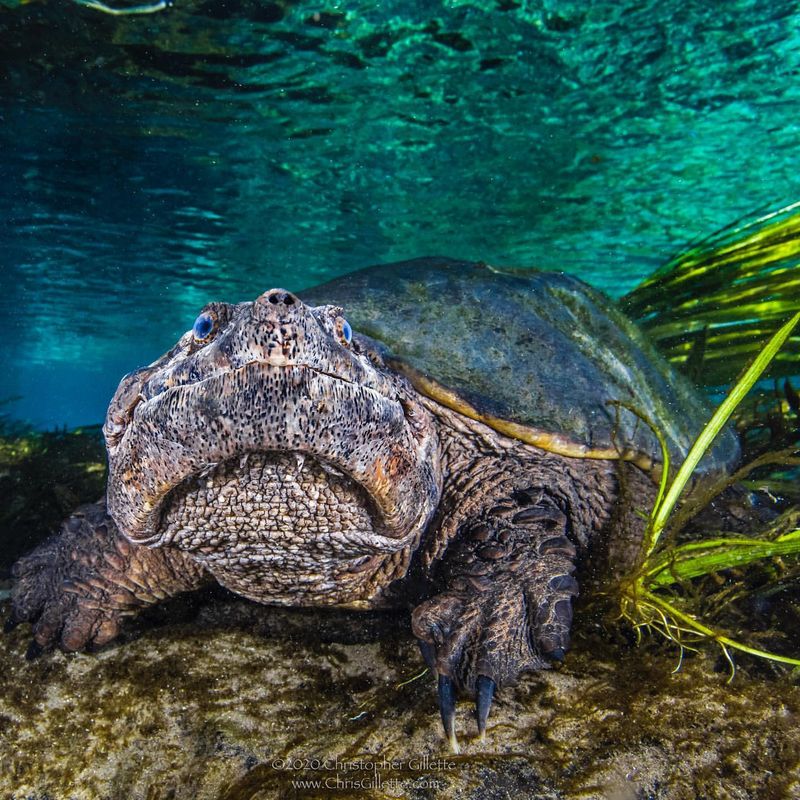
<point x="264" y="495"/>
<point x="283" y="528"/>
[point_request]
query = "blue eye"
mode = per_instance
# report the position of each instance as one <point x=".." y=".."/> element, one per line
<point x="347" y="332"/>
<point x="203" y="326"/>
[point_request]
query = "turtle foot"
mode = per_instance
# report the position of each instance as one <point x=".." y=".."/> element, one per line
<point x="77" y="587"/>
<point x="477" y="643"/>
<point x="498" y="618"/>
<point x="65" y="587"/>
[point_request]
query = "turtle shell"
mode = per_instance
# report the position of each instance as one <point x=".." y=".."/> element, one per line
<point x="539" y="356"/>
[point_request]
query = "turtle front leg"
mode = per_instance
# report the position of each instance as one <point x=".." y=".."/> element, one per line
<point x="78" y="586"/>
<point x="507" y="608"/>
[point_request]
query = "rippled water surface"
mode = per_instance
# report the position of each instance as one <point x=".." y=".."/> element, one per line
<point x="211" y="150"/>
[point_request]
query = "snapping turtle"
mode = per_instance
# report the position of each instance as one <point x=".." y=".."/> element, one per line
<point x="433" y="433"/>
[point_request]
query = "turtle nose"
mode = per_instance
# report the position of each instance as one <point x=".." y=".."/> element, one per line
<point x="277" y="297"/>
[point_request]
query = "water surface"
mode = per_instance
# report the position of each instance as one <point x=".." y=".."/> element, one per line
<point x="212" y="150"/>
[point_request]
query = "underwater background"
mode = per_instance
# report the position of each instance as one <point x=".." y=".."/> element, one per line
<point x="215" y="148"/>
<point x="203" y="150"/>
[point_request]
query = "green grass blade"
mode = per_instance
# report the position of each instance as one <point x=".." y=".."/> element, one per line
<point x="716" y="423"/>
<point x="649" y="543"/>
<point x="695" y="559"/>
<point x="708" y="307"/>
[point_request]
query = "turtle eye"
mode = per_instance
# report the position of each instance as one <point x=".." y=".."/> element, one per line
<point x="344" y="330"/>
<point x="203" y="326"/>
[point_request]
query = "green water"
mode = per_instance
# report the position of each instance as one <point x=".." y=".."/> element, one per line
<point x="214" y="149"/>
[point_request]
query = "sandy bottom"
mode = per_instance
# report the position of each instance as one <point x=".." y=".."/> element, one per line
<point x="218" y="698"/>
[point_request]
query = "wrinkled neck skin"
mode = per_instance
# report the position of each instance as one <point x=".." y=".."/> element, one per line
<point x="279" y="452"/>
<point x="483" y="468"/>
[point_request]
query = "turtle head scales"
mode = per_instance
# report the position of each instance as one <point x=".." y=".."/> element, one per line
<point x="261" y="408"/>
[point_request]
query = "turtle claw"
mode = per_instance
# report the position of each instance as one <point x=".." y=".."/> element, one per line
<point x="558" y="655"/>
<point x="447" y="708"/>
<point x="484" y="694"/>
<point x="428" y="653"/>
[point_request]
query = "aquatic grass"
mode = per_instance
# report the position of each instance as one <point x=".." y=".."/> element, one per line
<point x="695" y="559"/>
<point x="709" y="307"/>
<point x="784" y="459"/>
<point x="646" y="600"/>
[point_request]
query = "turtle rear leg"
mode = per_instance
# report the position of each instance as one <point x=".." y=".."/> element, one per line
<point x="78" y="586"/>
<point x="506" y="608"/>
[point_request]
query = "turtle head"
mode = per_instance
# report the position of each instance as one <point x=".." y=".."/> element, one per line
<point x="273" y="431"/>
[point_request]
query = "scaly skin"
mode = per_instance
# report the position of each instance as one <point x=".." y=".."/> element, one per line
<point x="500" y="557"/>
<point x="78" y="586"/>
<point x="285" y="460"/>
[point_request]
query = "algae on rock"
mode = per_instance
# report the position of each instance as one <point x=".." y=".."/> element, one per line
<point x="214" y="698"/>
<point x="44" y="476"/>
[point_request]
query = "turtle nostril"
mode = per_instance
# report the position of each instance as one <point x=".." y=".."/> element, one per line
<point x="277" y="296"/>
